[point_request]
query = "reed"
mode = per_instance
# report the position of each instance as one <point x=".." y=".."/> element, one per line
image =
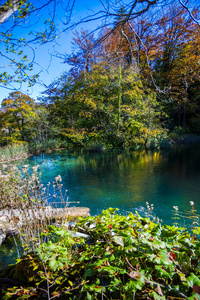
<point x="27" y="204"/>
<point x="13" y="152"/>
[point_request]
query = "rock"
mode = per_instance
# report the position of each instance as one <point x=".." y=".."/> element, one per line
<point x="7" y="226"/>
<point x="2" y="236"/>
<point x="79" y="234"/>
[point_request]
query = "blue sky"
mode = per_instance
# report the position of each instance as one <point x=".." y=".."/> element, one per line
<point x="50" y="67"/>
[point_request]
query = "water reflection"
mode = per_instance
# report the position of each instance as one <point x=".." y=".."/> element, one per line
<point x="126" y="179"/>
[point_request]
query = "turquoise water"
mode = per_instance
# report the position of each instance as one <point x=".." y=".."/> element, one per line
<point x="126" y="179"/>
<point x="122" y="179"/>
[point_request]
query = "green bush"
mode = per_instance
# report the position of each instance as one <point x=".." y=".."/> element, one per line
<point x="45" y="146"/>
<point x="160" y="141"/>
<point x="177" y="133"/>
<point x="119" y="258"/>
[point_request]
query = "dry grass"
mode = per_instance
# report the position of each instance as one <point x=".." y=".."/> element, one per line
<point x="25" y="203"/>
<point x="13" y="152"/>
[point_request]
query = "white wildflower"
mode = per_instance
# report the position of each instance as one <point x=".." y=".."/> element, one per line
<point x="35" y="168"/>
<point x="25" y="170"/>
<point x="59" y="178"/>
<point x="175" y="207"/>
<point x="33" y="177"/>
<point x="3" y="157"/>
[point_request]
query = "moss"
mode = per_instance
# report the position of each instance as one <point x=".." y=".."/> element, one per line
<point x="26" y="269"/>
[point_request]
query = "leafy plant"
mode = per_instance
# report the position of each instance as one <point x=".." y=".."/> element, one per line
<point x="117" y="257"/>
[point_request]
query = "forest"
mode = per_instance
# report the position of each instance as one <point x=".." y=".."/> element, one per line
<point x="138" y="87"/>
<point x="132" y="84"/>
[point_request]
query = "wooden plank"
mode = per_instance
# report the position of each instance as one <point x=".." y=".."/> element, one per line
<point x="10" y="220"/>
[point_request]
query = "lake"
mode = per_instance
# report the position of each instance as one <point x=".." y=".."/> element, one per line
<point x="127" y="179"/>
<point x="123" y="179"/>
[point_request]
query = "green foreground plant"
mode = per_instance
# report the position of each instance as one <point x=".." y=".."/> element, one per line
<point x="119" y="258"/>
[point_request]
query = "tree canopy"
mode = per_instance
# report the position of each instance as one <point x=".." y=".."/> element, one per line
<point x="56" y="17"/>
<point x="129" y="85"/>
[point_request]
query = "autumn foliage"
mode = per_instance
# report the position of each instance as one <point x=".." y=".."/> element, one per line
<point x="131" y="86"/>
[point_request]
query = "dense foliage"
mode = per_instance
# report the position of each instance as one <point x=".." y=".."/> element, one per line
<point x="133" y="89"/>
<point x="118" y="258"/>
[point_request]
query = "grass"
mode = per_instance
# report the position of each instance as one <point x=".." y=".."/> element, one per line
<point x="25" y="202"/>
<point x="13" y="152"/>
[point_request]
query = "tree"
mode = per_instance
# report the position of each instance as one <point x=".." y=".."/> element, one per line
<point x="176" y="65"/>
<point x="19" y="53"/>
<point x="18" y="109"/>
<point x="84" y="56"/>
<point x="8" y="9"/>
<point x="109" y="105"/>
<point x="42" y="131"/>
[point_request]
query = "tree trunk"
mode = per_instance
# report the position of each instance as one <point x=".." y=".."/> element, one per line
<point x="119" y="98"/>
<point x="185" y="102"/>
<point x="6" y="12"/>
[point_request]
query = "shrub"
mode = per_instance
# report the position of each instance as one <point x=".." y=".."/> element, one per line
<point x="25" y="206"/>
<point x="47" y="145"/>
<point x="118" y="258"/>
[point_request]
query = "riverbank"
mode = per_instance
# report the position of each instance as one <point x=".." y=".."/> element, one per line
<point x="14" y="152"/>
<point x="119" y="257"/>
<point x="21" y="151"/>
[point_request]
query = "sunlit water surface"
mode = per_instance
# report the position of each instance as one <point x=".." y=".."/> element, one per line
<point x="123" y="179"/>
<point x="127" y="180"/>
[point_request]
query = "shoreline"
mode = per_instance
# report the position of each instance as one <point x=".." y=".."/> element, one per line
<point x="184" y="140"/>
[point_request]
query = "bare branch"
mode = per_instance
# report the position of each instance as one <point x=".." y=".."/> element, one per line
<point x="190" y="13"/>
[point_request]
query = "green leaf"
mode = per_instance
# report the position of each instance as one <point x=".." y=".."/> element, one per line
<point x="118" y="240"/>
<point x="89" y="297"/>
<point x="89" y="273"/>
<point x="35" y="268"/>
<point x="186" y="242"/>
<point x="159" y="244"/>
<point x="193" y="280"/>
<point x="115" y="282"/>
<point x="137" y="283"/>
<point x="157" y="230"/>
<point x="164" y="257"/>
<point x="194" y="296"/>
<point x="156" y="296"/>
<point x="53" y="263"/>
